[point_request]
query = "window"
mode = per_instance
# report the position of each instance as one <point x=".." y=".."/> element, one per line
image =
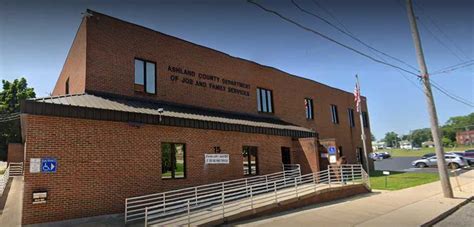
<point x="365" y="119"/>
<point x="67" y="87"/>
<point x="250" y="161"/>
<point x="334" y="114"/>
<point x="350" y="113"/>
<point x="145" y="76"/>
<point x="173" y="163"/>
<point x="264" y="100"/>
<point x="308" y="103"/>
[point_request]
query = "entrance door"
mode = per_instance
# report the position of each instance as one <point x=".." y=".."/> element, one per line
<point x="285" y="155"/>
<point x="360" y="157"/>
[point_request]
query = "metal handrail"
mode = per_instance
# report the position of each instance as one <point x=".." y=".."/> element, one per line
<point x="171" y="200"/>
<point x="260" y="193"/>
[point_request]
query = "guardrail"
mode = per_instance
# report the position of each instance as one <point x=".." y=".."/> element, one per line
<point x="4" y="179"/>
<point x="238" y="199"/>
<point x="170" y="202"/>
<point x="16" y="168"/>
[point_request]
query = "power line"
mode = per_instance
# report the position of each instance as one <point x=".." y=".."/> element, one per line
<point x="448" y="67"/>
<point x="346" y="46"/>
<point x="453" y="97"/>
<point x="433" y="22"/>
<point x="350" y="35"/>
<point x="327" y="37"/>
<point x="452" y="94"/>
<point x="452" y="69"/>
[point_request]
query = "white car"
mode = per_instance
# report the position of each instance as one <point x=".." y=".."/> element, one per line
<point x="453" y="161"/>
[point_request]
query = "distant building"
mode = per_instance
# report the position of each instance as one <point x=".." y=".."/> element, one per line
<point x="465" y="137"/>
<point x="405" y="144"/>
<point x="378" y="145"/>
<point x="428" y="144"/>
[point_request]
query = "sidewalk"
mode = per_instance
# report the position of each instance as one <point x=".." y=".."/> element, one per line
<point x="408" y="207"/>
<point x="11" y="215"/>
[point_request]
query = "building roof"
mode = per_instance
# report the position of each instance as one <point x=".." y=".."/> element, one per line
<point x="101" y="106"/>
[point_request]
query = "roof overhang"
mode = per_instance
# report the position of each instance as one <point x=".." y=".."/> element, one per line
<point x="113" y="108"/>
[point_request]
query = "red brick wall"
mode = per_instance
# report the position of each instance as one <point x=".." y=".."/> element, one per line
<point x="112" y="46"/>
<point x="75" y="66"/>
<point x="15" y="152"/>
<point x="100" y="163"/>
<point x="305" y="150"/>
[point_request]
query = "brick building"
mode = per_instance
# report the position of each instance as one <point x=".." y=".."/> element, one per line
<point x="134" y="112"/>
<point x="465" y="137"/>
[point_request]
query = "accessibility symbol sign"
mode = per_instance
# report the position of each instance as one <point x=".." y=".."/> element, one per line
<point x="48" y="165"/>
<point x="332" y="150"/>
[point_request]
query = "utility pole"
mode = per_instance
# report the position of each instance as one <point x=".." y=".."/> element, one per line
<point x="442" y="168"/>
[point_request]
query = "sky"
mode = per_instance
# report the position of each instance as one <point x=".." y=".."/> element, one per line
<point x="35" y="37"/>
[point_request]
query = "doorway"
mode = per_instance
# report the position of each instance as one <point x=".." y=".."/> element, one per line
<point x="285" y="155"/>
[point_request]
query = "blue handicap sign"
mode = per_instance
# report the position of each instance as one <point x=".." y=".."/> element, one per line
<point x="48" y="165"/>
<point x="332" y="150"/>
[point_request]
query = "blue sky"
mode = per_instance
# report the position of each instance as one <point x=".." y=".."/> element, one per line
<point x="35" y="37"/>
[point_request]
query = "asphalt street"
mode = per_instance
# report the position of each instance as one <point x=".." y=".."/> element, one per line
<point x="462" y="217"/>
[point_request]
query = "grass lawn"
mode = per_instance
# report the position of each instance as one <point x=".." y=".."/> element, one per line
<point x="422" y="151"/>
<point x="400" y="180"/>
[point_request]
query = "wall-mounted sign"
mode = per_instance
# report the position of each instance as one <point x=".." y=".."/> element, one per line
<point x="332" y="159"/>
<point x="35" y="165"/>
<point x="332" y="150"/>
<point x="39" y="197"/>
<point x="208" y="81"/>
<point x="216" y="158"/>
<point x="48" y="165"/>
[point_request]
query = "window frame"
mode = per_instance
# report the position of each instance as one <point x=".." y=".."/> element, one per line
<point x="264" y="105"/>
<point x="66" y="87"/>
<point x="173" y="158"/>
<point x="334" y="114"/>
<point x="350" y="113"/>
<point x="145" y="81"/>
<point x="309" y="106"/>
<point x="365" y="119"/>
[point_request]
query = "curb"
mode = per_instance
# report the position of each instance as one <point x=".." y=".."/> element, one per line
<point x="447" y="213"/>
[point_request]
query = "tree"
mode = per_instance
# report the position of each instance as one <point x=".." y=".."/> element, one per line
<point x="391" y="139"/>
<point x="372" y="137"/>
<point x="418" y="136"/>
<point x="11" y="95"/>
<point x="456" y="124"/>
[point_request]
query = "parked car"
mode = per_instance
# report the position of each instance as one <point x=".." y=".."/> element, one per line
<point x="429" y="155"/>
<point x="416" y="148"/>
<point x="453" y="161"/>
<point x="469" y="156"/>
<point x="380" y="155"/>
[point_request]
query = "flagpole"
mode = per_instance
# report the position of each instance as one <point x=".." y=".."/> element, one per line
<point x="359" y="109"/>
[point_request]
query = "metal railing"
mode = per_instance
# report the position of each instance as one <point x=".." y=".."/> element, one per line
<point x="4" y="179"/>
<point x="248" y="197"/>
<point x="172" y="202"/>
<point x="16" y="168"/>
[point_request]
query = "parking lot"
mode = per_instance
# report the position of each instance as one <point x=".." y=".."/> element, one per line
<point x="400" y="164"/>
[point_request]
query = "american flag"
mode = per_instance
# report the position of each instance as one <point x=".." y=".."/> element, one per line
<point x="357" y="94"/>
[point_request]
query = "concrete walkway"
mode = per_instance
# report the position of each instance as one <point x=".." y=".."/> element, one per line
<point x="408" y="207"/>
<point x="11" y="215"/>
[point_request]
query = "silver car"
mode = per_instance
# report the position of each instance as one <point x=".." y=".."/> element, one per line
<point x="453" y="161"/>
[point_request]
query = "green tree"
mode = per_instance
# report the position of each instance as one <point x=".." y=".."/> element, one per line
<point x="11" y="95"/>
<point x="372" y="137"/>
<point x="391" y="139"/>
<point x="456" y="124"/>
<point x="418" y="136"/>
